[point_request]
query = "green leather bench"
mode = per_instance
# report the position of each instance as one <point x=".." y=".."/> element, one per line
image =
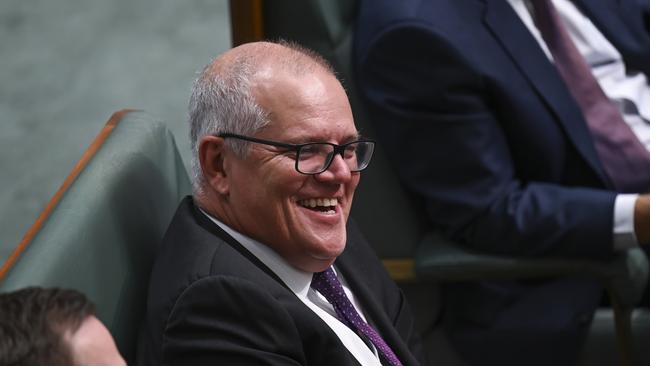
<point x="101" y="229"/>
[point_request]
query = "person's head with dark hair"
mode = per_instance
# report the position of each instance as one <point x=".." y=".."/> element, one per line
<point x="54" y="327"/>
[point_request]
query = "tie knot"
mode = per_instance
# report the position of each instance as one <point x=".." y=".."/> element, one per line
<point x="327" y="284"/>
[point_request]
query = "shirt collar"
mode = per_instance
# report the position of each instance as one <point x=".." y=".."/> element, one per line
<point x="297" y="280"/>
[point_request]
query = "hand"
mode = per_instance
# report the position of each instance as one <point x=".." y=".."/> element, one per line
<point x="642" y="219"/>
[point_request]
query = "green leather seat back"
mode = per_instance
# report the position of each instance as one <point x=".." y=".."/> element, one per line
<point x="101" y="236"/>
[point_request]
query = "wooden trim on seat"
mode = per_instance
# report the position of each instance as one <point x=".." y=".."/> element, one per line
<point x="246" y="21"/>
<point x="400" y="270"/>
<point x="45" y="214"/>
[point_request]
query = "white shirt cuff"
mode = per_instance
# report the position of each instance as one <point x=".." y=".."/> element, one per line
<point x="624" y="236"/>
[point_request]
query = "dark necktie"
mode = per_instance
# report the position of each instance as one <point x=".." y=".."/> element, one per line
<point x="625" y="159"/>
<point x="329" y="286"/>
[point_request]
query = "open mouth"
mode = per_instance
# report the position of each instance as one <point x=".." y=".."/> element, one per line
<point x="327" y="205"/>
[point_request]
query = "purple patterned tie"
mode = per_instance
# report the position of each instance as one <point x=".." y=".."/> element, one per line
<point x="626" y="160"/>
<point x="329" y="286"/>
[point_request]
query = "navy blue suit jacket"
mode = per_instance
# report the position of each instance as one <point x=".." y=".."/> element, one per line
<point x="481" y="127"/>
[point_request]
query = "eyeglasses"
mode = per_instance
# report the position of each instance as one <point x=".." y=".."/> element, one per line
<point x="316" y="157"/>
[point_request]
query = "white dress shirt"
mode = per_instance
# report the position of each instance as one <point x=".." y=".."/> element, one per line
<point x="630" y="91"/>
<point x="299" y="282"/>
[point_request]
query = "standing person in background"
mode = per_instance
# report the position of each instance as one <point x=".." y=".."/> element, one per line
<point x="524" y="127"/>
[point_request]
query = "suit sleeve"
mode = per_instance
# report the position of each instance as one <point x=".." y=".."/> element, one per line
<point x="451" y="149"/>
<point x="228" y="321"/>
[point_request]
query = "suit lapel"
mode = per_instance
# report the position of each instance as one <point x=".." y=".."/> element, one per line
<point x="213" y="228"/>
<point x="502" y="21"/>
<point x="348" y="264"/>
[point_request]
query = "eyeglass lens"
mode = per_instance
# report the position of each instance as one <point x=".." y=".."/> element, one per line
<point x="315" y="158"/>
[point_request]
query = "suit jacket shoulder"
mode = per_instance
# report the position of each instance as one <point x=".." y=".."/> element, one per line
<point x="210" y="300"/>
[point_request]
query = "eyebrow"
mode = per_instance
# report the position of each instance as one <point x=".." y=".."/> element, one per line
<point x="349" y="138"/>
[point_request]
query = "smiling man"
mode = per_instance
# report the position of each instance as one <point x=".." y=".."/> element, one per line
<point x="260" y="266"/>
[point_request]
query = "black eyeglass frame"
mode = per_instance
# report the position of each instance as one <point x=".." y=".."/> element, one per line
<point x="338" y="149"/>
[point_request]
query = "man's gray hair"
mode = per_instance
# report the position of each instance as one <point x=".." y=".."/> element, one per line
<point x="222" y="102"/>
<point x="222" y="99"/>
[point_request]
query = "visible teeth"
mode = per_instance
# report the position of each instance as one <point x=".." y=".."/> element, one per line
<point x="320" y="202"/>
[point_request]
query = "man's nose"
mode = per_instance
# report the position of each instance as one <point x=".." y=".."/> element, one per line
<point x="338" y="170"/>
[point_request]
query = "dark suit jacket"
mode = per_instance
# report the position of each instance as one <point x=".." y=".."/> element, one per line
<point x="212" y="302"/>
<point x="481" y="127"/>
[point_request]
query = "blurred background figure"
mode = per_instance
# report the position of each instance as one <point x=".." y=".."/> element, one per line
<point x="53" y="327"/>
<point x="523" y="128"/>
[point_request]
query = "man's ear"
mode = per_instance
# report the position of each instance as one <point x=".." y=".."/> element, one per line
<point x="211" y="156"/>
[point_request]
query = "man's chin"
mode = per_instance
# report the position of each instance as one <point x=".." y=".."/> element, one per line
<point x="319" y="265"/>
<point x="328" y="251"/>
<point x="321" y="256"/>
